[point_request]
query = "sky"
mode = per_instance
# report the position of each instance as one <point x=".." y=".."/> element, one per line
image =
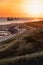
<point x="21" y="8"/>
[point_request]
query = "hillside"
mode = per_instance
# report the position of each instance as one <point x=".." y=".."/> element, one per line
<point x="36" y="24"/>
<point x="23" y="47"/>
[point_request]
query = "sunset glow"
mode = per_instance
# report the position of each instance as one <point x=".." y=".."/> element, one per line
<point x="34" y="8"/>
<point x="21" y="8"/>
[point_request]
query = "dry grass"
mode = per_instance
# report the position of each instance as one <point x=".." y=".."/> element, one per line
<point x="26" y="44"/>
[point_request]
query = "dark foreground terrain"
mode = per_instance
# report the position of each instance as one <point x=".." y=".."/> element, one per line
<point x="23" y="49"/>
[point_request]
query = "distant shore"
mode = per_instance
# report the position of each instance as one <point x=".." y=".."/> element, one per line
<point x="3" y="21"/>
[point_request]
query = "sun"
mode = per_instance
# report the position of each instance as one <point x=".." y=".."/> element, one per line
<point x="34" y="8"/>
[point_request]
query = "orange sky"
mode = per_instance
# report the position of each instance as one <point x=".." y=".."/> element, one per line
<point x="20" y="8"/>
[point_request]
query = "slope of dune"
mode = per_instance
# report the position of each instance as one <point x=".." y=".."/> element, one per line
<point x="22" y="46"/>
<point x="36" y="24"/>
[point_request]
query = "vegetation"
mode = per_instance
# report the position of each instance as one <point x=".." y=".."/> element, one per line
<point x="22" y="47"/>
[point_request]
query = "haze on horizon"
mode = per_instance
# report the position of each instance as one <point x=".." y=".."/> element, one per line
<point x="21" y="8"/>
